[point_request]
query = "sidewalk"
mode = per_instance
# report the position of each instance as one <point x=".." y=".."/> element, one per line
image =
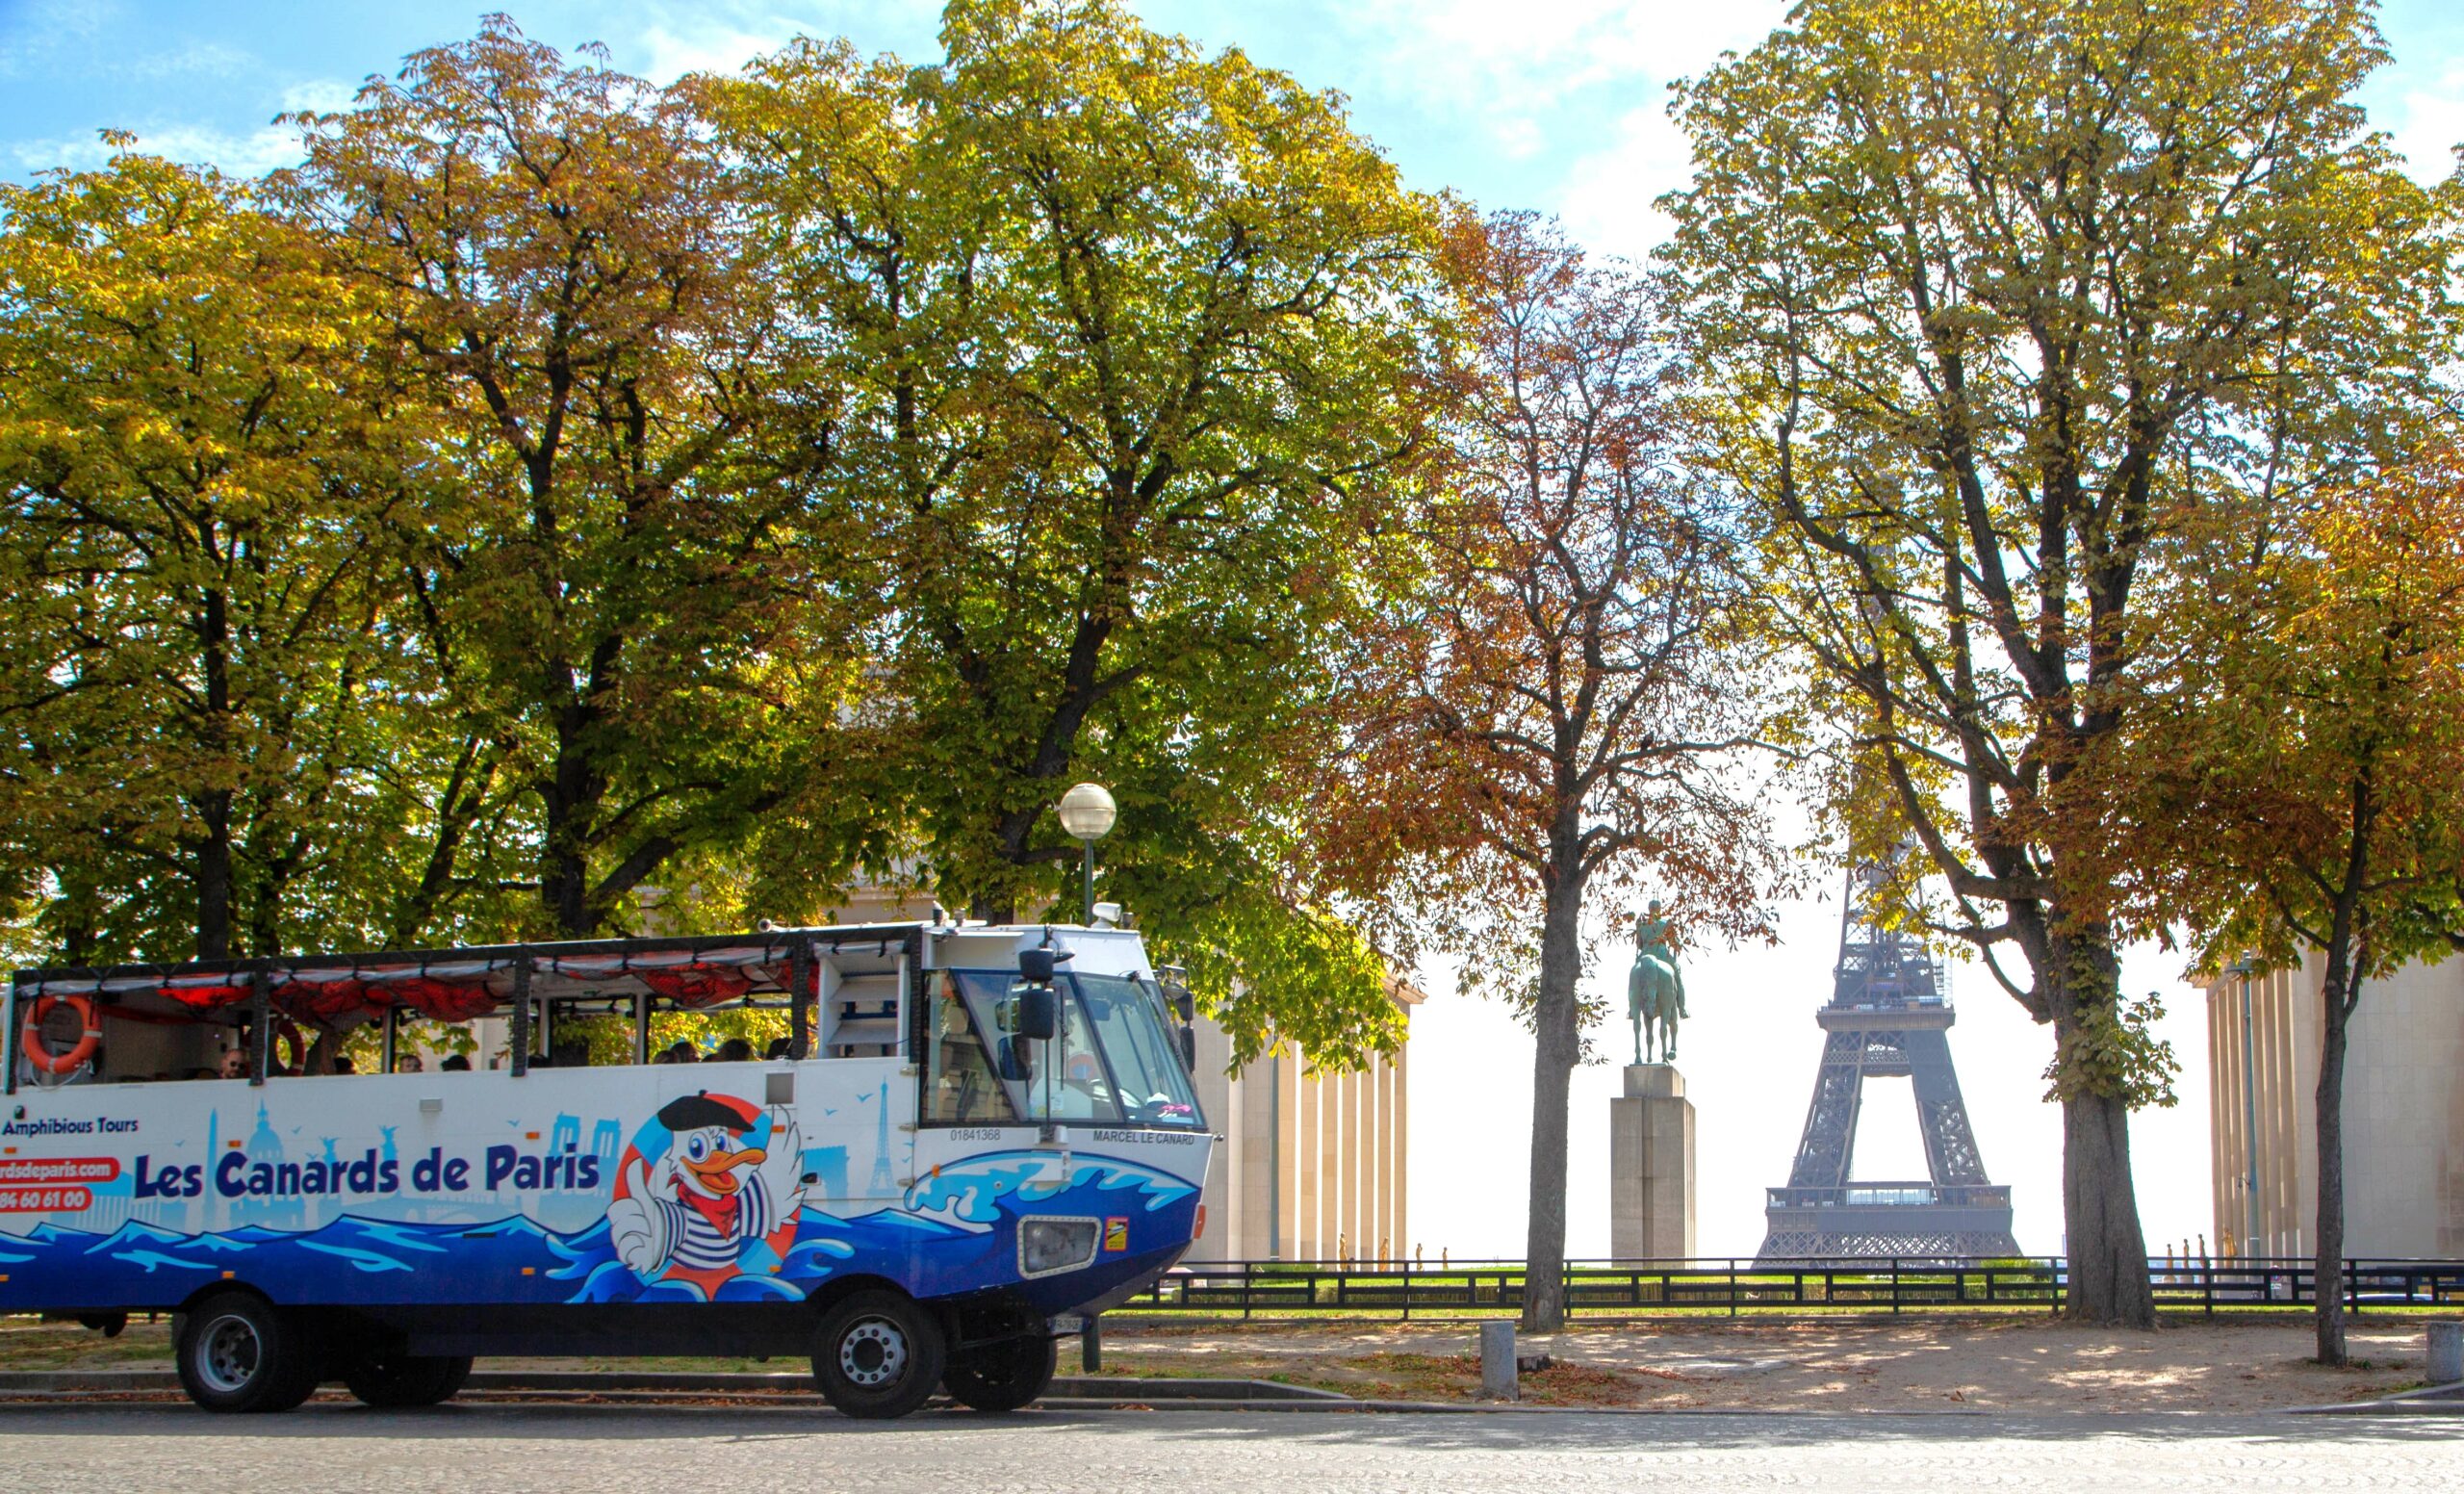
<point x="2016" y="1364"/>
<point x="2019" y="1364"/>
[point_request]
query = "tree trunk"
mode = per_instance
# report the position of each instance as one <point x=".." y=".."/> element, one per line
<point x="2107" y="1255"/>
<point x="2329" y="1280"/>
<point x="212" y="849"/>
<point x="212" y="859"/>
<point x="572" y="797"/>
<point x="2338" y="994"/>
<point x="1558" y="1044"/>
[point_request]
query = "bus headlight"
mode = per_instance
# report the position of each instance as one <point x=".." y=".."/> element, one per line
<point x="1049" y="1245"/>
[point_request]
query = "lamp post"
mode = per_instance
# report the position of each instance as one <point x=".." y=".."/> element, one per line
<point x="2244" y="968"/>
<point x="1088" y="812"/>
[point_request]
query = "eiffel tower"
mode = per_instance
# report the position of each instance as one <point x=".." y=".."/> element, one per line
<point x="1889" y="1014"/>
<point x="882" y="1183"/>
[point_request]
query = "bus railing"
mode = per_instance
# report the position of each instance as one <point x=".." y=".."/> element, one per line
<point x="1407" y="1290"/>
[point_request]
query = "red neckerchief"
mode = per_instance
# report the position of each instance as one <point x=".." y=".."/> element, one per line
<point x="720" y="1212"/>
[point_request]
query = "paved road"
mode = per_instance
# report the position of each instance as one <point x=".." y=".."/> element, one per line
<point x="611" y="1450"/>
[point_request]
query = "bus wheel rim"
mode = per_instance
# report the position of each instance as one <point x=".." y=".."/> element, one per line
<point x="229" y="1353"/>
<point x="872" y="1352"/>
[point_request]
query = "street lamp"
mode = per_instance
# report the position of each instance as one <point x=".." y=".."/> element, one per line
<point x="2244" y="968"/>
<point x="1088" y="812"/>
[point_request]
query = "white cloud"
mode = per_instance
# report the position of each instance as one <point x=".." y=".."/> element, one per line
<point x="319" y="95"/>
<point x="1608" y="195"/>
<point x="1510" y="57"/>
<point x="723" y="37"/>
<point x="250" y="154"/>
<point x="44" y="29"/>
<point x="198" y="60"/>
<point x="671" y="55"/>
<point x="2430" y="124"/>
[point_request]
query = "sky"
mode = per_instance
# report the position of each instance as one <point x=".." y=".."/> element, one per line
<point x="1554" y="105"/>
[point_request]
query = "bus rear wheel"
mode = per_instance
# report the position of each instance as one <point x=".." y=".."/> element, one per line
<point x="236" y="1351"/>
<point x="1002" y="1377"/>
<point x="395" y="1380"/>
<point x="879" y="1354"/>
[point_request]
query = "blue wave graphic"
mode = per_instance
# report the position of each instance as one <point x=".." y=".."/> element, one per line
<point x="954" y="1232"/>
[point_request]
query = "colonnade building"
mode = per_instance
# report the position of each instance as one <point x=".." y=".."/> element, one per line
<point x="2403" y="1110"/>
<point x="1313" y="1165"/>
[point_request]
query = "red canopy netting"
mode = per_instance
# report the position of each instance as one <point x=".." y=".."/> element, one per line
<point x="457" y="992"/>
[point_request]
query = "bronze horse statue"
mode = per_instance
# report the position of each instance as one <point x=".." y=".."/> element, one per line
<point x="1655" y="991"/>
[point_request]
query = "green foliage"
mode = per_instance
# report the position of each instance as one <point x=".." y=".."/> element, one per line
<point x="1122" y="338"/>
<point x="638" y="507"/>
<point x="2113" y="1046"/>
<point x="202" y="506"/>
<point x="1998" y="315"/>
<point x="618" y="583"/>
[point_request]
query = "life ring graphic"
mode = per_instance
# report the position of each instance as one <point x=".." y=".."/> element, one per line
<point x="290" y="1048"/>
<point x="39" y="1052"/>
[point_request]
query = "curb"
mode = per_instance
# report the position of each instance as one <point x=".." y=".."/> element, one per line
<point x="1073" y="1389"/>
<point x="2429" y="1401"/>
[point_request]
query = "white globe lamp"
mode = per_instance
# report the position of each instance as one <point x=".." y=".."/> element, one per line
<point x="1086" y="813"/>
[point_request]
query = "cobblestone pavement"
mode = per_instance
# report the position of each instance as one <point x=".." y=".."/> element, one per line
<point x="612" y="1450"/>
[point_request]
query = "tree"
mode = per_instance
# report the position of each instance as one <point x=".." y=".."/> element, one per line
<point x="1126" y="338"/>
<point x="625" y="585"/>
<point x="1992" y="298"/>
<point x="199" y="521"/>
<point x="2294" y="777"/>
<point x="1552" y="705"/>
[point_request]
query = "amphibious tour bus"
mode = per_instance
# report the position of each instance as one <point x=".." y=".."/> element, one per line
<point x="969" y="1138"/>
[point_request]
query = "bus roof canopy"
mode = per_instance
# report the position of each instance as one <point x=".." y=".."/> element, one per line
<point x="458" y="985"/>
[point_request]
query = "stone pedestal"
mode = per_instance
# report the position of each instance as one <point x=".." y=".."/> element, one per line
<point x="1650" y="1166"/>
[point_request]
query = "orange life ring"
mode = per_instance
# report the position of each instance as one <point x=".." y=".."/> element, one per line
<point x="39" y="1052"/>
<point x="287" y="1031"/>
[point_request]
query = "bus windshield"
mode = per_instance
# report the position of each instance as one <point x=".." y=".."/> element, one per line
<point x="1111" y="1061"/>
<point x="1128" y="1015"/>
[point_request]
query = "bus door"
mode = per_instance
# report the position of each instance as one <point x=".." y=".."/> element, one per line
<point x="859" y="1125"/>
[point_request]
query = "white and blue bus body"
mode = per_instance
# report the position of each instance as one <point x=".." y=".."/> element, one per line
<point x="968" y="1183"/>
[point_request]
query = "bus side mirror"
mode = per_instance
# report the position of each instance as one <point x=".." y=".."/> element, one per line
<point x="1013" y="1063"/>
<point x="1035" y="967"/>
<point x="1188" y="1049"/>
<point x="1038" y="1010"/>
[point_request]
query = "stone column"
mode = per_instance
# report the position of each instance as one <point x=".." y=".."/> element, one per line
<point x="1650" y="1166"/>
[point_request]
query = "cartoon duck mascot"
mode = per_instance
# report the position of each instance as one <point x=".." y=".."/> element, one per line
<point x="708" y="1200"/>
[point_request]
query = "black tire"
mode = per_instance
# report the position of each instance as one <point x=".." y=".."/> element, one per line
<point x="1003" y="1376"/>
<point x="396" y="1380"/>
<point x="236" y="1351"/>
<point x="879" y="1354"/>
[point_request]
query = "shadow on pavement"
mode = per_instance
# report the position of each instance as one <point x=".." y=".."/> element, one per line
<point x="1534" y="1430"/>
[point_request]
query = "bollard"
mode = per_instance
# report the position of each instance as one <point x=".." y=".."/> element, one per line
<point x="1496" y="1362"/>
<point x="1091" y="1347"/>
<point x="2446" y="1352"/>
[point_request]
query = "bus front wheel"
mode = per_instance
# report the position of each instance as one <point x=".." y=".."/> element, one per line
<point x="236" y="1351"/>
<point x="879" y="1354"/>
<point x="400" y="1379"/>
<point x="1002" y="1377"/>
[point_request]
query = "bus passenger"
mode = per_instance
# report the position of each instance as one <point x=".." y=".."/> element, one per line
<point x="455" y="1063"/>
<point x="735" y="1051"/>
<point x="408" y="1062"/>
<point x="234" y="1064"/>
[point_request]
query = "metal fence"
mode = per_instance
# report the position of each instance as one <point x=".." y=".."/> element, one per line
<point x="1475" y="1289"/>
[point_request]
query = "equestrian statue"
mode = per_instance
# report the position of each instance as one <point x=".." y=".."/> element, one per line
<point x="1654" y="992"/>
